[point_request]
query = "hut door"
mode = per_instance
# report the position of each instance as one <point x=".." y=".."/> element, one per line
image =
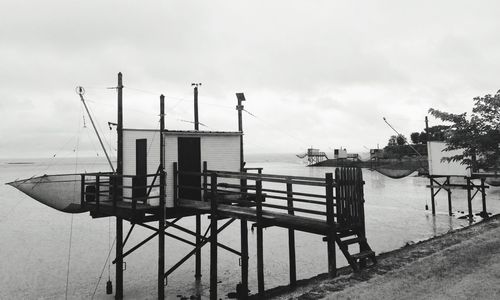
<point x="189" y="161"/>
<point x="141" y="168"/>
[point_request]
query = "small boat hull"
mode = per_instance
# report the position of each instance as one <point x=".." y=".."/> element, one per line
<point x="61" y="192"/>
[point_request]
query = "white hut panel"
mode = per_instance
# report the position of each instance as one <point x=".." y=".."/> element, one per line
<point x="435" y="154"/>
<point x="221" y="151"/>
<point x="146" y="144"/>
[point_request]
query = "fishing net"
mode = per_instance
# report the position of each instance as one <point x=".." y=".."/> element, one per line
<point x="400" y="168"/>
<point x="62" y="192"/>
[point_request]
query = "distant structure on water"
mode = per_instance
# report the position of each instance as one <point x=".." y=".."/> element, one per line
<point x="314" y="156"/>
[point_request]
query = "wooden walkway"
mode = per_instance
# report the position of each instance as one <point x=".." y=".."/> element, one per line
<point x="269" y="218"/>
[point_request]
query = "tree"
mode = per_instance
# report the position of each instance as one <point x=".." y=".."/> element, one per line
<point x="478" y="136"/>
<point x="415" y="137"/>
<point x="401" y="140"/>
<point x="393" y="140"/>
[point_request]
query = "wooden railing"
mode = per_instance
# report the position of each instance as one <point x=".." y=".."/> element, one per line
<point x="106" y="187"/>
<point x="339" y="200"/>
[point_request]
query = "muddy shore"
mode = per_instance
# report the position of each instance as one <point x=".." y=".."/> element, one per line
<point x="462" y="264"/>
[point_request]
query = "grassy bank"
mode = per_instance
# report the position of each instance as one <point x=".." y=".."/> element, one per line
<point x="463" y="264"/>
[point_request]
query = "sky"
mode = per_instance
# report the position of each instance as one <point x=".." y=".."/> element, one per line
<point x="314" y="73"/>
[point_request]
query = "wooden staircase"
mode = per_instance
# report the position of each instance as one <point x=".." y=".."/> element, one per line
<point x="350" y="233"/>
<point x="348" y="241"/>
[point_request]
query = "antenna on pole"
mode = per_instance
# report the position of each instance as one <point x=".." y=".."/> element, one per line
<point x="196" y="123"/>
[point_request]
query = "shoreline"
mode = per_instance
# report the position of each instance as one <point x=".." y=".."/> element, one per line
<point x="396" y="269"/>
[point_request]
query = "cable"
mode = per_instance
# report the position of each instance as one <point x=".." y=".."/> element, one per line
<point x="103" y="268"/>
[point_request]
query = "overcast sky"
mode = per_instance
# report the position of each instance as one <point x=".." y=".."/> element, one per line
<point x="315" y="73"/>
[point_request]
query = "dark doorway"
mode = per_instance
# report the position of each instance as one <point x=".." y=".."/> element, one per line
<point x="139" y="182"/>
<point x="189" y="159"/>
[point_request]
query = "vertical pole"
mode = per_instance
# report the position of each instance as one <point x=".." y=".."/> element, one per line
<point x="197" y="267"/>
<point x="119" y="127"/>
<point x="433" y="205"/>
<point x="260" y="240"/>
<point x="291" y="236"/>
<point x="213" y="237"/>
<point x="161" y="218"/>
<point x="119" y="171"/>
<point x="469" y="199"/>
<point x="449" y="196"/>
<point x="483" y="198"/>
<point x="243" y="222"/>
<point x="330" y="220"/>
<point x="196" y="123"/>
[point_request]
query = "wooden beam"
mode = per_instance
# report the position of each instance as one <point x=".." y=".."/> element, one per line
<point x="213" y="239"/>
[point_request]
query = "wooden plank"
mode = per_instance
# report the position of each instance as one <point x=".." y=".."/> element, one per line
<point x="279" y="219"/>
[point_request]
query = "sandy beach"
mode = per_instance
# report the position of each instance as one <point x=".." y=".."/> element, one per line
<point x="462" y="264"/>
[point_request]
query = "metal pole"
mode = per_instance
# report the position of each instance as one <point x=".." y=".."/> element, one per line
<point x="161" y="219"/>
<point x="119" y="171"/>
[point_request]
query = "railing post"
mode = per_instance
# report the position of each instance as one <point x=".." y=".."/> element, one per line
<point x="82" y="188"/>
<point x="433" y="204"/>
<point x="449" y="196"/>
<point x="291" y="235"/>
<point x="330" y="220"/>
<point x="97" y="191"/>
<point x="483" y="198"/>
<point x="469" y="199"/>
<point x="260" y="239"/>
<point x="213" y="237"/>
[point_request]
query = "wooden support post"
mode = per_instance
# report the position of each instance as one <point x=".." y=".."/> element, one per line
<point x="433" y="205"/>
<point x="469" y="199"/>
<point x="260" y="239"/>
<point x="197" y="272"/>
<point x="213" y="237"/>
<point x="244" y="259"/>
<point x="161" y="218"/>
<point x="291" y="236"/>
<point x="119" y="171"/>
<point x="119" y="259"/>
<point x="449" y="196"/>
<point x="483" y="198"/>
<point x="330" y="220"/>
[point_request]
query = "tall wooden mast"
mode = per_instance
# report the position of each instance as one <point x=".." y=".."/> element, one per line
<point x="119" y="172"/>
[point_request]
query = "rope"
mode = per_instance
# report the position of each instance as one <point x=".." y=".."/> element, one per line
<point x="109" y="247"/>
<point x="69" y="257"/>
<point x="71" y="226"/>
<point x="103" y="268"/>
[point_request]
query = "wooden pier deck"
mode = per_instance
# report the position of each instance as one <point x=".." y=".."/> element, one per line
<point x="336" y="213"/>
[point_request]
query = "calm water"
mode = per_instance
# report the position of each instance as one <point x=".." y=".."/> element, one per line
<point x="35" y="238"/>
